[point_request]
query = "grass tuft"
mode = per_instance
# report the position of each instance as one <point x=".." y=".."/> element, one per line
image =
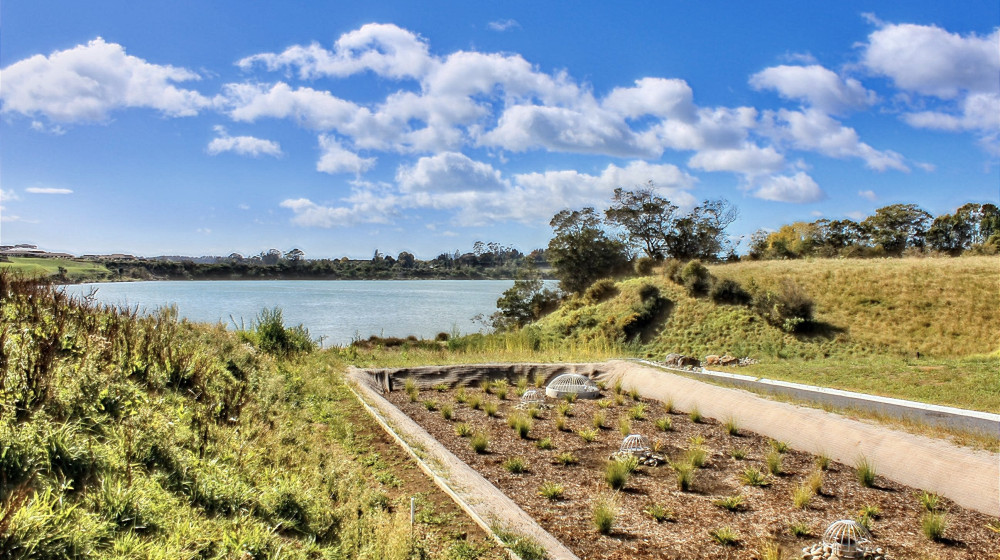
<point x="933" y="525"/>
<point x="752" y="476"/>
<point x="566" y="458"/>
<point x="695" y="415"/>
<point x="588" y="435"/>
<point x="726" y="536"/>
<point x="515" y="465"/>
<point x="604" y="513"/>
<point x="730" y="503"/>
<point x="551" y="490"/>
<point x="660" y="513"/>
<point x="479" y="443"/>
<point x="865" y="471"/>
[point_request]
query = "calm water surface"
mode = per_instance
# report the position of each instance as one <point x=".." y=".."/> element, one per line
<point x="339" y="310"/>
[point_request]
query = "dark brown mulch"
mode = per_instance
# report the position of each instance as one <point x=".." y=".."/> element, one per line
<point x="768" y="512"/>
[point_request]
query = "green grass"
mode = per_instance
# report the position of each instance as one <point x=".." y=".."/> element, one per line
<point x="551" y="490"/>
<point x="726" y="536"/>
<point x="730" y="503"/>
<point x="42" y="267"/>
<point x="866" y="472"/>
<point x="604" y="512"/>
<point x="660" y="513"/>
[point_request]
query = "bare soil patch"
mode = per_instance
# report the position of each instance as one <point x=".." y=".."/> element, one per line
<point x="766" y="513"/>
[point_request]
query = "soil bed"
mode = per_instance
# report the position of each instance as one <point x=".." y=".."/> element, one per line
<point x="766" y="512"/>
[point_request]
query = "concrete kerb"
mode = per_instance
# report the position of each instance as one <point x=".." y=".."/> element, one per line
<point x="973" y="421"/>
<point x="477" y="507"/>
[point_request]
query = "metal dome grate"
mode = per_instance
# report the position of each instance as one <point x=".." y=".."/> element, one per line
<point x="847" y="538"/>
<point x="634" y="443"/>
<point x="530" y="398"/>
<point x="572" y="383"/>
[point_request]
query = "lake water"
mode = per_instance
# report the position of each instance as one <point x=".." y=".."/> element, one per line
<point x="339" y="310"/>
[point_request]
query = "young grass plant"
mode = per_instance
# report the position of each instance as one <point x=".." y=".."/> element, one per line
<point x="929" y="500"/>
<point x="696" y="456"/>
<point x="695" y="416"/>
<point x="726" y="536"/>
<point x="739" y="453"/>
<point x="732" y="428"/>
<point x="779" y="446"/>
<point x="566" y="459"/>
<point x="463" y="430"/>
<point x="544" y="444"/>
<point x="664" y="424"/>
<point x="624" y="426"/>
<point x="551" y="490"/>
<point x="598" y="420"/>
<point x="604" y="513"/>
<point x="588" y="435"/>
<point x="660" y="513"/>
<point x="823" y="462"/>
<point x="752" y="476"/>
<point x="616" y="474"/>
<point x="515" y="465"/>
<point x="865" y="471"/>
<point x="441" y="387"/>
<point x="730" y="503"/>
<point x="774" y="460"/>
<point x="561" y="423"/>
<point x="800" y="529"/>
<point x="491" y="408"/>
<point x="769" y="550"/>
<point x="479" y="443"/>
<point x="638" y="412"/>
<point x="604" y="404"/>
<point x="447" y="412"/>
<point x="933" y="525"/>
<point x="802" y="495"/>
<point x="668" y="406"/>
<point x="430" y="405"/>
<point x="564" y="409"/>
<point x="685" y="475"/>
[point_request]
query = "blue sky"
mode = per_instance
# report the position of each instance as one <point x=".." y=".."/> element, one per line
<point x="339" y="128"/>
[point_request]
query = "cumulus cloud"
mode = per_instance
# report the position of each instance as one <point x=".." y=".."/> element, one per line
<point x="310" y="108"/>
<point x="47" y="190"/>
<point x="449" y="172"/>
<point x="816" y="86"/>
<point x="385" y="49"/>
<point x="7" y="196"/>
<point x="868" y="195"/>
<point x="334" y="158"/>
<point x="87" y="82"/>
<point x="749" y="160"/>
<point x="242" y="145"/>
<point x="813" y="130"/>
<point x="799" y="188"/>
<point x="653" y="96"/>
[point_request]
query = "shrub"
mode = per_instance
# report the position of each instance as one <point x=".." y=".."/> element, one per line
<point x="695" y="278"/>
<point x="616" y="474"/>
<point x="479" y="443"/>
<point x="866" y="472"/>
<point x="551" y="490"/>
<point x="604" y="513"/>
<point x="544" y="443"/>
<point x="664" y="424"/>
<point x="475" y="402"/>
<point x="789" y="308"/>
<point x="515" y="465"/>
<point x="534" y="412"/>
<point x="500" y="389"/>
<point x="270" y="334"/>
<point x="463" y="430"/>
<point x="460" y="396"/>
<point x="752" y="476"/>
<point x="566" y="459"/>
<point x="523" y="426"/>
<point x="660" y="513"/>
<point x="725" y="536"/>
<point x="933" y="525"/>
<point x="644" y="265"/>
<point x="602" y="290"/>
<point x="730" y="292"/>
<point x="730" y="503"/>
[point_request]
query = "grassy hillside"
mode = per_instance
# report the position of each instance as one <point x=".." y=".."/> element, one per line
<point x="148" y="437"/>
<point x="922" y="329"/>
<point x="39" y="267"/>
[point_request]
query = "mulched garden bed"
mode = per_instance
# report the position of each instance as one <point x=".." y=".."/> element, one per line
<point x="766" y="513"/>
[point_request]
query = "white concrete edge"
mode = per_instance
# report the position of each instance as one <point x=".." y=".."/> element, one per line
<point x="946" y="410"/>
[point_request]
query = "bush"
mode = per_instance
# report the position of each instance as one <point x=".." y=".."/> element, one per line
<point x="602" y="290"/>
<point x="730" y="292"/>
<point x="270" y="334"/>
<point x="788" y="308"/>
<point x="644" y="265"/>
<point x="695" y="278"/>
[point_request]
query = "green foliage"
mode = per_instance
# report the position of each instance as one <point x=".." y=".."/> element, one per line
<point x="788" y="308"/>
<point x="933" y="525"/>
<point x="774" y="460"/>
<point x="730" y="503"/>
<point x="604" y="512"/>
<point x="479" y="443"/>
<point x="695" y="415"/>
<point x="865" y="471"/>
<point x="581" y="252"/>
<point x="802" y="495"/>
<point x="566" y="459"/>
<point x="638" y="412"/>
<point x="800" y="529"/>
<point x="588" y="435"/>
<point x="664" y="424"/>
<point x="730" y="292"/>
<point x="695" y="278"/>
<point x="617" y="471"/>
<point x="726" y="536"/>
<point x="598" y="419"/>
<point x="551" y="490"/>
<point x="526" y="301"/>
<point x="752" y="476"/>
<point x="463" y="430"/>
<point x="602" y="290"/>
<point x="739" y="452"/>
<point x="520" y="424"/>
<point x="660" y="513"/>
<point x="269" y="333"/>
<point x="515" y="465"/>
<point x="779" y="446"/>
<point x="544" y="444"/>
<point x="685" y="475"/>
<point x="525" y="547"/>
<point x="929" y="500"/>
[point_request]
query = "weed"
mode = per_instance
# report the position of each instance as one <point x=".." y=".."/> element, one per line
<point x="866" y="471"/>
<point x="739" y="453"/>
<point x="726" y="536"/>
<point x="752" y="476"/>
<point x="515" y="465"/>
<point x="566" y="459"/>
<point x="544" y="444"/>
<point x="598" y="420"/>
<point x="929" y="500"/>
<point x="933" y="525"/>
<point x="463" y="430"/>
<point x="732" y="428"/>
<point x="664" y="424"/>
<point x="479" y="443"/>
<point x="774" y="460"/>
<point x="551" y="490"/>
<point x="695" y="415"/>
<point x="660" y="513"/>
<point x="730" y="503"/>
<point x="638" y="412"/>
<point x="604" y="513"/>
<point x="447" y="412"/>
<point x="588" y="435"/>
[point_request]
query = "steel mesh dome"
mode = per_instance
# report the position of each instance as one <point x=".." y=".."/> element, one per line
<point x="572" y="384"/>
<point x="848" y="538"/>
<point x="634" y="443"/>
<point x="532" y="396"/>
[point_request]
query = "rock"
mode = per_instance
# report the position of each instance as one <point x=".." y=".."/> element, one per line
<point x="711" y="360"/>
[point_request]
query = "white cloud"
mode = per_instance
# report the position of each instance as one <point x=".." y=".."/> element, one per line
<point x="503" y="24"/>
<point x="7" y="196"/>
<point x="653" y="96"/>
<point x="318" y="110"/>
<point x="449" y="172"/>
<point x="799" y="188"/>
<point x="242" y="145"/>
<point x="87" y="82"/>
<point x="868" y="195"/>
<point x="384" y="49"/>
<point x="335" y="159"/>
<point x="750" y="160"/>
<point x="48" y="190"/>
<point x="816" y="86"/>
<point x="366" y="204"/>
<point x="931" y="61"/>
<point x="813" y="130"/>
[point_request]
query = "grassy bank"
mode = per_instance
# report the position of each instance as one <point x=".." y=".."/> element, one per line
<point x="75" y="271"/>
<point x="147" y="437"/>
